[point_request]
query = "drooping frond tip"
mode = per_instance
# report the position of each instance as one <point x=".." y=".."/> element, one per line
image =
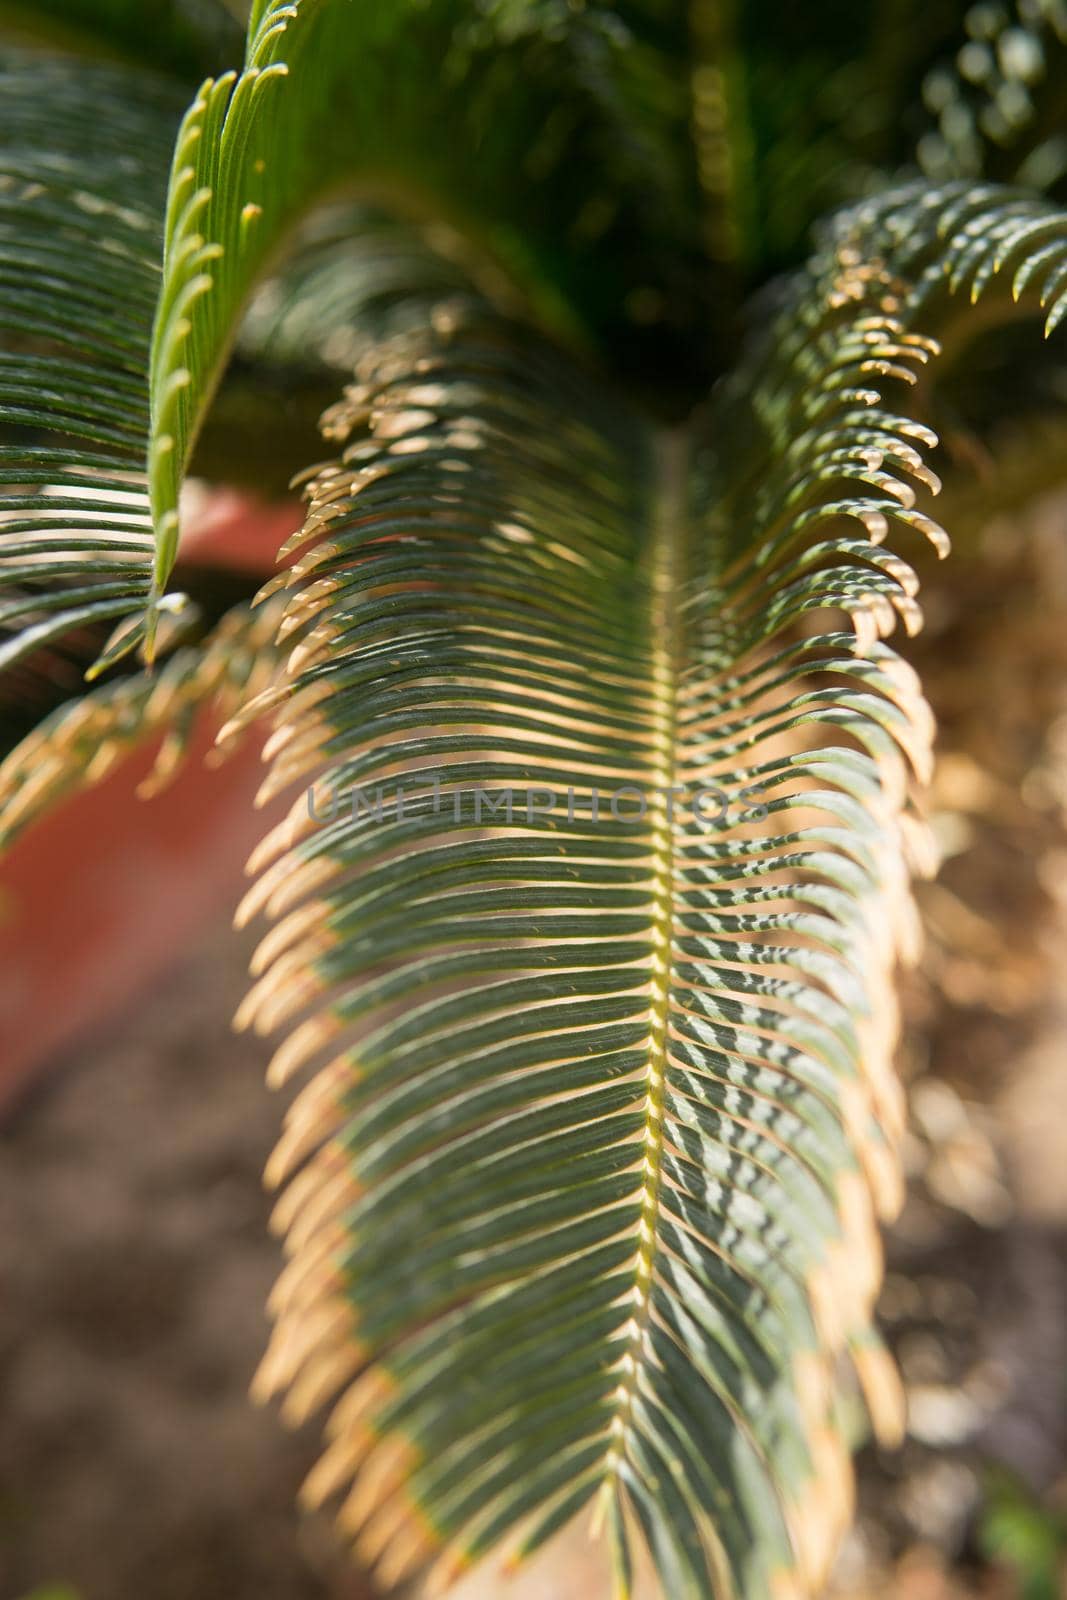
<point x="84" y="740"/>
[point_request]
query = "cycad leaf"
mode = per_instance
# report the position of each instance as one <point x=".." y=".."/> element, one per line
<point x="83" y="740"/>
<point x="83" y="165"/>
<point x="581" y="1194"/>
<point x="339" y="93"/>
<point x="585" y="1208"/>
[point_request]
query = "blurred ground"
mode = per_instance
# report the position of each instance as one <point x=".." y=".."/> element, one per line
<point x="133" y="1243"/>
<point x="134" y="1247"/>
<point x="975" y="1302"/>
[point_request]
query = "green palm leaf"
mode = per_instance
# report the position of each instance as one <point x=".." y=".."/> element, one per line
<point x="715" y="140"/>
<point x="81" y="741"/>
<point x="339" y="94"/>
<point x="580" y="1196"/>
<point x="75" y="187"/>
<point x="587" y="1186"/>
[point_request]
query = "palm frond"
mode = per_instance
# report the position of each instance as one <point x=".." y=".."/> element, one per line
<point x="959" y="243"/>
<point x="79" y="743"/>
<point x="580" y="1197"/>
<point x="76" y="187"/>
<point x="534" y="97"/>
<point x="584" y="1195"/>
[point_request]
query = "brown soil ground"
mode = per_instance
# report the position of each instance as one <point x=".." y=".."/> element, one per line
<point x="136" y="1260"/>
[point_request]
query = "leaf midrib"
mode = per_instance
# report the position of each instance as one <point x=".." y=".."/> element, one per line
<point x="668" y="529"/>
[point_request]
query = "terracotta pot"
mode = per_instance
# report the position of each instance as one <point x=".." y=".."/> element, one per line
<point x="98" y="896"/>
